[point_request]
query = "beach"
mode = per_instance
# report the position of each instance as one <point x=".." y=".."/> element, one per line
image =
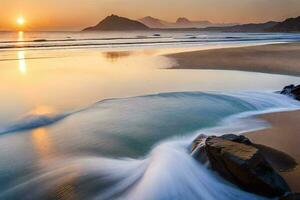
<point x="271" y="58"/>
<point x="284" y="133"/>
<point x="114" y="121"/>
<point x="199" y="100"/>
<point x="283" y="136"/>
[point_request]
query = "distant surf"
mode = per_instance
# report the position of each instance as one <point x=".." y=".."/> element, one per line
<point x="135" y="39"/>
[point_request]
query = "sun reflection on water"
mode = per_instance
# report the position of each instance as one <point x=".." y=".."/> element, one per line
<point x="22" y="62"/>
<point x="20" y="37"/>
<point x="43" y="110"/>
<point x="21" y="54"/>
<point x="42" y="143"/>
<point x="64" y="188"/>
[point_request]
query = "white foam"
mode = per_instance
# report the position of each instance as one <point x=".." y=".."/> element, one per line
<point x="168" y="172"/>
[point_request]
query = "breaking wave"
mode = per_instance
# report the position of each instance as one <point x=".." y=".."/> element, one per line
<point x="167" y="171"/>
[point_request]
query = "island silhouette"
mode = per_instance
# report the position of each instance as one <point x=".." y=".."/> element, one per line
<point x="118" y="23"/>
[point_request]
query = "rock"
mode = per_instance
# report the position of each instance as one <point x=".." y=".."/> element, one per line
<point x="198" y="146"/>
<point x="237" y="160"/>
<point x="292" y="90"/>
<point x="291" y="196"/>
<point x="296" y="92"/>
<point x="200" y="140"/>
<point x="237" y="138"/>
<point x="280" y="161"/>
<point x="287" y="89"/>
<point x="198" y="149"/>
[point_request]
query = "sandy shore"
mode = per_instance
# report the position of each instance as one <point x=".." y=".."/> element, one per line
<point x="281" y="142"/>
<point x="274" y="58"/>
<point x="284" y="136"/>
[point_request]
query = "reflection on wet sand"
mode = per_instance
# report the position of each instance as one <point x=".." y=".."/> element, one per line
<point x="114" y="56"/>
<point x="42" y="144"/>
<point x="64" y="188"/>
<point x="40" y="137"/>
<point x="42" y="110"/>
<point x="22" y="62"/>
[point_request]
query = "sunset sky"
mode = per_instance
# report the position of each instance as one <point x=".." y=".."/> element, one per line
<point x="77" y="14"/>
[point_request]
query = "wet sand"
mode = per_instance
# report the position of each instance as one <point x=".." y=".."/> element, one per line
<point x="274" y="58"/>
<point x="284" y="136"/>
<point x="281" y="142"/>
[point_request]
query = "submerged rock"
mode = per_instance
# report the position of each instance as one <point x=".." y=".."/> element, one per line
<point x="237" y="160"/>
<point x="292" y="90"/>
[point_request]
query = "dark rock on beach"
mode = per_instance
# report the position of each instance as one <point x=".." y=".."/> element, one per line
<point x="291" y="196"/>
<point x="280" y="161"/>
<point x="292" y="90"/>
<point x="237" y="138"/>
<point x="237" y="160"/>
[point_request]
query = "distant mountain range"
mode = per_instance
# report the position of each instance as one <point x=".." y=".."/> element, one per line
<point x="154" y="22"/>
<point x="181" y="22"/>
<point x="261" y="27"/>
<point x="288" y="25"/>
<point x="114" y="22"/>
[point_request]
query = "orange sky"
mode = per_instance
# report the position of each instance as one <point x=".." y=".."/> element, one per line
<point x="77" y="14"/>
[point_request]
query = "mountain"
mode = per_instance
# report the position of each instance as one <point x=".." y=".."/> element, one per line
<point x="260" y="27"/>
<point x="181" y="22"/>
<point x="116" y="23"/>
<point x="154" y="22"/>
<point x="289" y="25"/>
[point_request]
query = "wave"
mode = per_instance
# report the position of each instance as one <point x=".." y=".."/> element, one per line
<point x="32" y="121"/>
<point x="168" y="171"/>
<point x="82" y="39"/>
<point x="93" y="43"/>
<point x="231" y="106"/>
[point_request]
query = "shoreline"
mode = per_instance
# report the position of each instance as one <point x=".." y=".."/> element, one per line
<point x="282" y="58"/>
<point x="283" y="136"/>
<point x="280" y="142"/>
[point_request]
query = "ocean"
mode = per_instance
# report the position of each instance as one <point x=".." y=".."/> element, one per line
<point x="100" y="115"/>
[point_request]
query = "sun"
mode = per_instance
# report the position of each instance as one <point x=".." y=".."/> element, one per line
<point x="20" y="21"/>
